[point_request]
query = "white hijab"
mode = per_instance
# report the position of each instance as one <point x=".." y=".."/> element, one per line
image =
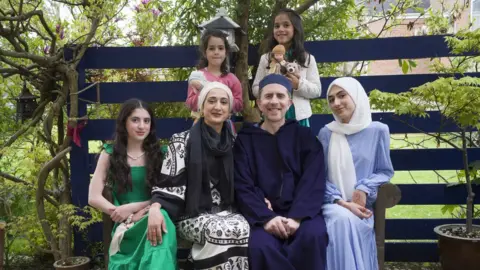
<point x="341" y="170"/>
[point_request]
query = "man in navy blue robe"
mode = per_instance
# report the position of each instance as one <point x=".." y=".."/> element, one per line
<point x="280" y="184"/>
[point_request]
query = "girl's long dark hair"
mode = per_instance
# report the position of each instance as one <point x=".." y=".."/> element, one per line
<point x="119" y="172"/>
<point x="203" y="62"/>
<point x="298" y="50"/>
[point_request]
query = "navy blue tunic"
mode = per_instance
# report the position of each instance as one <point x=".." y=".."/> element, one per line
<point x="287" y="168"/>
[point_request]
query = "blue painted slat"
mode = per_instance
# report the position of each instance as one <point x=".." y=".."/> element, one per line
<point x="173" y="91"/>
<point x="140" y="57"/>
<point x="411" y="252"/>
<point x="430" y="159"/>
<point x="424" y="159"/>
<point x="368" y="49"/>
<point x="418" y="194"/>
<point x="419" y="229"/>
<point x="79" y="180"/>
<point x="103" y="129"/>
<point x="394" y="122"/>
<point x="339" y="51"/>
<point x="176" y="91"/>
<point x="392" y="83"/>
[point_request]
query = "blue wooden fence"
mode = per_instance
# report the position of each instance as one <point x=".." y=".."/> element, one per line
<point x="420" y="230"/>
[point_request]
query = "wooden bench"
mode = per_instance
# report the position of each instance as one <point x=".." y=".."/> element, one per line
<point x="388" y="196"/>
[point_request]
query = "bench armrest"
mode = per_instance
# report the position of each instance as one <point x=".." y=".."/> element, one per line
<point x="388" y="196"/>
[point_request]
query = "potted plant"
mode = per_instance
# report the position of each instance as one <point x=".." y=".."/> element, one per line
<point x="457" y="101"/>
<point x="73" y="263"/>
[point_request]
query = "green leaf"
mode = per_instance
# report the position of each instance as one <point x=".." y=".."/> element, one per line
<point x="475" y="165"/>
<point x="405" y="67"/>
<point x="412" y="63"/>
<point x="448" y="208"/>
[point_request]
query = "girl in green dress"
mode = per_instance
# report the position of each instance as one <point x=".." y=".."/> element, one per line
<point x="131" y="165"/>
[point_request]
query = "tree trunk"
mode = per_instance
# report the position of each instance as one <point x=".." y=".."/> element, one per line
<point x="241" y="67"/>
<point x="470" y="194"/>
<point x="65" y="242"/>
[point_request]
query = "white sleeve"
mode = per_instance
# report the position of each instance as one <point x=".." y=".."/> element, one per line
<point x="310" y="86"/>
<point x="261" y="73"/>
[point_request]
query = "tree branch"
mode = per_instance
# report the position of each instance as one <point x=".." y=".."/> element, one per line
<point x="15" y="65"/>
<point x="14" y="178"/>
<point x="306" y="6"/>
<point x="42" y="179"/>
<point x="28" y="15"/>
<point x="48" y="196"/>
<point x="24" y="129"/>
<point x="83" y="3"/>
<point x="35" y="58"/>
<point x="429" y="134"/>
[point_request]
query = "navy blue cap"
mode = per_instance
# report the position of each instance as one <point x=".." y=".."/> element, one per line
<point x="278" y="79"/>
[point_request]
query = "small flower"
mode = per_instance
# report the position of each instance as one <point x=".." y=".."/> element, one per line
<point x="137" y="8"/>
<point x="155" y="12"/>
<point x="46" y="49"/>
<point x="138" y="42"/>
<point x="145" y="2"/>
<point x="57" y="28"/>
<point x="62" y="34"/>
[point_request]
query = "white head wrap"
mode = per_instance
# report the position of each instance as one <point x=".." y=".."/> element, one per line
<point x="214" y="85"/>
<point x="341" y="170"/>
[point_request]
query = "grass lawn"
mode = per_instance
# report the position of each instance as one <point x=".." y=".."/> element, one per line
<point x="416" y="141"/>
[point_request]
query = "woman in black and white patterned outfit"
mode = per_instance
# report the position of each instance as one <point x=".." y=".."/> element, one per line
<point x="196" y="187"/>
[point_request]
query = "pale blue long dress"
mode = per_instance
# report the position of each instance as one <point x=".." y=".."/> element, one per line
<point x="351" y="239"/>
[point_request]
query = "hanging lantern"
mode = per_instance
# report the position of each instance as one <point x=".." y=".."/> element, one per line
<point x="26" y="104"/>
<point x="224" y="23"/>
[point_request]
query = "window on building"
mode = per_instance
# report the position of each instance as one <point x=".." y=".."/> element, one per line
<point x="475" y="14"/>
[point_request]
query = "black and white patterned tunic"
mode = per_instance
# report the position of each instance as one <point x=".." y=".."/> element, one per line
<point x="220" y="237"/>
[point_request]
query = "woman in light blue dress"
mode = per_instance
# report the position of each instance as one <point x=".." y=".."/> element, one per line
<point x="357" y="155"/>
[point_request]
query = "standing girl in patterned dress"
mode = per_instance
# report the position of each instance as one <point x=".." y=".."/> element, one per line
<point x="131" y="166"/>
<point x="196" y="187"/>
<point x="288" y="31"/>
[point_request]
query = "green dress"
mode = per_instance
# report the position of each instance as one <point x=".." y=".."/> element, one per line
<point x="290" y="114"/>
<point x="136" y="252"/>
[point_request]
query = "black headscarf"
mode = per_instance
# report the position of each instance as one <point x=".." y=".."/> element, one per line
<point x="205" y="146"/>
